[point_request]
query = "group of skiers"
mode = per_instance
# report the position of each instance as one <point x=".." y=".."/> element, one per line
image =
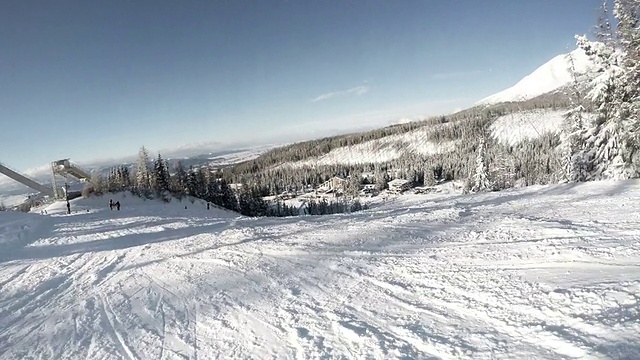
<point x="117" y="205"/>
<point x="114" y="204"/>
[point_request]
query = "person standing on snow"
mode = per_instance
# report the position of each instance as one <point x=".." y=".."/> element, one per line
<point x="111" y="204"/>
<point x="118" y="205"/>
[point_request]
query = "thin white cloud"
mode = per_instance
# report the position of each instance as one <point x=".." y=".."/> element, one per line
<point x="358" y="90"/>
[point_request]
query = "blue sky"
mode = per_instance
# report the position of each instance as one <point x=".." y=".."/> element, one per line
<point x="94" y="80"/>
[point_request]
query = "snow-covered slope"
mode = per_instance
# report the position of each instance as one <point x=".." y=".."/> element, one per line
<point x="238" y="156"/>
<point x="534" y="273"/>
<point x="514" y="128"/>
<point x="382" y="150"/>
<point x="548" y="77"/>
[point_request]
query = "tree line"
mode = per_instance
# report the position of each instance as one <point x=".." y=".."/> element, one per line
<point x="154" y="179"/>
<point x="599" y="139"/>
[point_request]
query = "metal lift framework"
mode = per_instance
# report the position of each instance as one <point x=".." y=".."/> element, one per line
<point x="58" y="168"/>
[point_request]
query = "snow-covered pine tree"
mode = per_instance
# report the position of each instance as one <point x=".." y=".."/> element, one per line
<point x="97" y="183"/>
<point x="628" y="14"/>
<point x="428" y="177"/>
<point x="501" y="172"/>
<point x="612" y="139"/>
<point x="480" y="178"/>
<point x="381" y="178"/>
<point x="572" y="133"/>
<point x="143" y="180"/>
<point x="353" y="185"/>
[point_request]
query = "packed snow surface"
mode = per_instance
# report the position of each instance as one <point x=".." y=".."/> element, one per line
<point x="549" y="77"/>
<point x="535" y="273"/>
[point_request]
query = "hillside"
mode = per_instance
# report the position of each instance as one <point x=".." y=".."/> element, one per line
<point x="540" y="272"/>
<point x="510" y="129"/>
<point x="383" y="150"/>
<point x="521" y="125"/>
<point x="439" y="148"/>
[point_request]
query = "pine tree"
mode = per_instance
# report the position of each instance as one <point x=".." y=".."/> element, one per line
<point x="179" y="180"/>
<point x="613" y="138"/>
<point x="480" y="178"/>
<point x="628" y="14"/>
<point x="428" y="177"/>
<point x="353" y="184"/>
<point x="244" y="203"/>
<point x="126" y="177"/>
<point x="192" y="182"/>
<point x="143" y="179"/>
<point x="573" y="134"/>
<point x="97" y="183"/>
<point x="610" y="138"/>
<point x="502" y="173"/>
<point x="161" y="177"/>
<point x="227" y="196"/>
<point x="381" y="178"/>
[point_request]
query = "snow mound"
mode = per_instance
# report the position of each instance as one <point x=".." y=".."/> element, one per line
<point x="548" y="77"/>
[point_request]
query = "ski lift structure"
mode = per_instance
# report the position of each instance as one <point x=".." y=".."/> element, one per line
<point x="59" y="190"/>
<point x="64" y="168"/>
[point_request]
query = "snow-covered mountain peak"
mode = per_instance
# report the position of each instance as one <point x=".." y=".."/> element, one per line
<point x="551" y="76"/>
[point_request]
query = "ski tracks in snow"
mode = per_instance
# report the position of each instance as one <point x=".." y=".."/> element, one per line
<point x="508" y="275"/>
<point x="116" y="334"/>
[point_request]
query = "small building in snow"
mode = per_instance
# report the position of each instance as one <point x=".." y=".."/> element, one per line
<point x="399" y="185"/>
<point x="335" y="184"/>
<point x="368" y="189"/>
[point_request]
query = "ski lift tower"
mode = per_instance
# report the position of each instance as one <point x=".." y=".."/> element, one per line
<point x="65" y="168"/>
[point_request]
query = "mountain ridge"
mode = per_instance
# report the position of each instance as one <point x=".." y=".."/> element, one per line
<point x="549" y="77"/>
